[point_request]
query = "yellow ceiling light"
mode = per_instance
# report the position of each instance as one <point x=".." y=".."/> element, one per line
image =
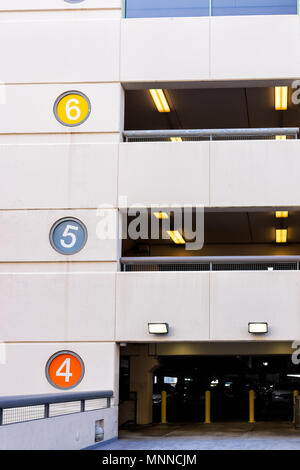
<point x="281" y="98"/>
<point x="176" y="139"/>
<point x="160" y="100"/>
<point x="161" y="215"/>
<point x="176" y="236"/>
<point x="281" y="235"/>
<point x="280" y="137"/>
<point x="281" y="214"/>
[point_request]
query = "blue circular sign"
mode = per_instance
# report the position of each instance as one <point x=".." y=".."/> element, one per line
<point x="68" y="236"/>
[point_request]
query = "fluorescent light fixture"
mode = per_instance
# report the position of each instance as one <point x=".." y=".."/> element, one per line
<point x="176" y="236"/>
<point x="161" y="215"/>
<point x="281" y="214"/>
<point x="176" y="139"/>
<point x="160" y="100"/>
<point x="158" y="328"/>
<point x="280" y="137"/>
<point x="293" y="375"/>
<point x="281" y="97"/>
<point x="281" y="235"/>
<point x="258" y="327"/>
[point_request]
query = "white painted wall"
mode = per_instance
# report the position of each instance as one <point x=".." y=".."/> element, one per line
<point x="57" y="306"/>
<point x="255" y="173"/>
<point x="28" y="362"/>
<point x="19" y="5"/>
<point x="29" y="108"/>
<point x="215" y="174"/>
<point x="56" y="267"/>
<point x="70" y="432"/>
<point x="215" y="48"/>
<point x="240" y="297"/>
<point x="162" y="173"/>
<point x="167" y="49"/>
<point x="208" y="306"/>
<point x="180" y="299"/>
<point x="60" y="50"/>
<point x="24" y="236"/>
<point x="58" y="176"/>
<point x="83" y="175"/>
<point x="255" y="47"/>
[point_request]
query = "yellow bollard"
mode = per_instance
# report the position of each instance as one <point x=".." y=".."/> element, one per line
<point x="295" y="394"/>
<point x="251" y="407"/>
<point x="163" y="407"/>
<point x="207" y="407"/>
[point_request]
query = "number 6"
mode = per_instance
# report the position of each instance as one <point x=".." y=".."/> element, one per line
<point x="69" y="108"/>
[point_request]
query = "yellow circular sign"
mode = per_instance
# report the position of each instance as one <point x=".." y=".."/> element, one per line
<point x="72" y="108"/>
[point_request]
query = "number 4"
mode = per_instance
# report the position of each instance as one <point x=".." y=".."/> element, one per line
<point x="66" y="374"/>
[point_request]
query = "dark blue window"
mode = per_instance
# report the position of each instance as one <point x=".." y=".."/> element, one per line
<point x="173" y="8"/>
<point x="253" y="7"/>
<point x="170" y="8"/>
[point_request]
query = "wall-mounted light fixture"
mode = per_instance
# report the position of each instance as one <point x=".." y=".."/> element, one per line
<point x="160" y="100"/>
<point x="281" y="98"/>
<point x="258" y="327"/>
<point x="158" y="328"/>
<point x="281" y="235"/>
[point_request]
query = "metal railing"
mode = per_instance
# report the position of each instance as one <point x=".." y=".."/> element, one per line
<point x="21" y="408"/>
<point x="211" y="263"/>
<point x="211" y="134"/>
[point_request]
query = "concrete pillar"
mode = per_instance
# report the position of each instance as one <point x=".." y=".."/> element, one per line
<point x="142" y="367"/>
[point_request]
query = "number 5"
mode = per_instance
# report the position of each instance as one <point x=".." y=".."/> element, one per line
<point x="67" y="233"/>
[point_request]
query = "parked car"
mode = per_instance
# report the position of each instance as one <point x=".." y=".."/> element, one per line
<point x="283" y="392"/>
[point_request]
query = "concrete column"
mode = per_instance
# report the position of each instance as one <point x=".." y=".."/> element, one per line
<point x="141" y="381"/>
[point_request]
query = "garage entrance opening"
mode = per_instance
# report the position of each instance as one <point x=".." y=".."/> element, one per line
<point x="229" y="380"/>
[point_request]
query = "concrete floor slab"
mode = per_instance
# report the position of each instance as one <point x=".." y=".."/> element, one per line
<point x="198" y="436"/>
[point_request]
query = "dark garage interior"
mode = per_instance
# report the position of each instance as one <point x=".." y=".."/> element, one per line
<point x="229" y="378"/>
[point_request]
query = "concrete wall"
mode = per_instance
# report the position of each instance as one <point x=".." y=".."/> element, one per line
<point x="51" y="59"/>
<point x="213" y="306"/>
<point x="18" y="5"/>
<point x="58" y="176"/>
<point x="219" y="174"/>
<point x="28" y="359"/>
<point x="25" y="236"/>
<point x="72" y="432"/>
<point x="168" y="49"/>
<point x="50" y="302"/>
<point x="215" y="48"/>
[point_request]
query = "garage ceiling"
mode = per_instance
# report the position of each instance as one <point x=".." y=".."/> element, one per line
<point x="215" y="108"/>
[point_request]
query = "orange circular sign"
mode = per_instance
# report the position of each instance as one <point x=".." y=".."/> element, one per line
<point x="65" y="369"/>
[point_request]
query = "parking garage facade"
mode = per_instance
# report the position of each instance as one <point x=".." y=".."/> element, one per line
<point x="150" y="213"/>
